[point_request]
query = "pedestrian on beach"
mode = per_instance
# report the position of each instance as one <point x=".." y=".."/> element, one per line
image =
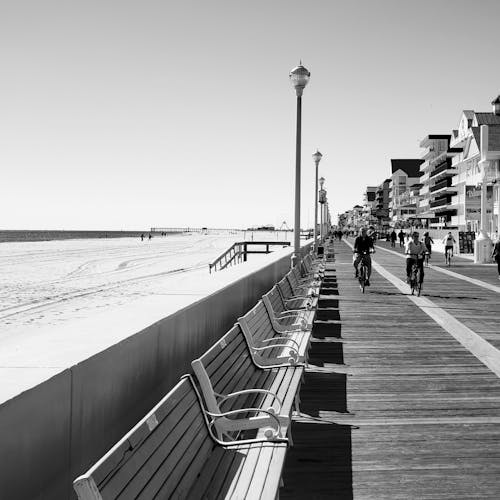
<point x="496" y="256"/>
<point x="394" y="237"/>
<point x="401" y="237"/>
<point x="149" y="237"/>
<point x="142" y="237"/>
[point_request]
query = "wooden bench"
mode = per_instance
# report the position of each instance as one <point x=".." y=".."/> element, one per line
<point x="172" y="453"/>
<point x="291" y="301"/>
<point x="312" y="268"/>
<point x="281" y="316"/>
<point x="231" y="379"/>
<point x="302" y="286"/>
<point x="260" y="331"/>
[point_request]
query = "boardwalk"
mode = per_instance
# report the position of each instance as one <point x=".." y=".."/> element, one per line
<point x="393" y="405"/>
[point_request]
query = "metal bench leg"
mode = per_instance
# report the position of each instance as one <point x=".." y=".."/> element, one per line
<point x="297" y="403"/>
<point x="289" y="434"/>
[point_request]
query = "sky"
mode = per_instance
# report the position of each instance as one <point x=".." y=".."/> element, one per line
<point x="121" y="114"/>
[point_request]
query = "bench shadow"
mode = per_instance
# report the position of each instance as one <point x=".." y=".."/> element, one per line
<point x="329" y="302"/>
<point x="319" y="464"/>
<point x="327" y="314"/>
<point x="331" y="353"/>
<point x="323" y="392"/>
<point x="326" y="330"/>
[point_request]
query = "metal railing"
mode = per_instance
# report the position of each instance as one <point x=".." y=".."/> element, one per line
<point x="239" y="251"/>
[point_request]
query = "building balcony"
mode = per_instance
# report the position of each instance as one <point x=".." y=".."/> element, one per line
<point x="443" y="187"/>
<point x="439" y="203"/>
<point x="443" y="169"/>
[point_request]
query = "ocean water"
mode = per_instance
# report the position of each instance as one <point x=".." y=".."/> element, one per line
<point x="27" y="235"/>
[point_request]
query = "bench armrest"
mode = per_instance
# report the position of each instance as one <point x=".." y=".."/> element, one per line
<point x="225" y="397"/>
<point x="270" y="434"/>
<point x="296" y="311"/>
<point x="300" y="318"/>
<point x="287" y="339"/>
<point x="294" y="355"/>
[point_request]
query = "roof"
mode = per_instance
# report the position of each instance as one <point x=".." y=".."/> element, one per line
<point x="477" y="135"/>
<point x="493" y="139"/>
<point x="410" y="166"/>
<point x="487" y="119"/>
<point x="425" y="141"/>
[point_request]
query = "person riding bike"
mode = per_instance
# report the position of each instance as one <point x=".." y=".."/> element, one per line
<point x="428" y="242"/>
<point x="448" y="241"/>
<point x="415" y="251"/>
<point x="363" y="244"/>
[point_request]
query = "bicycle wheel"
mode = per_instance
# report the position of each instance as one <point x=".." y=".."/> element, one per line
<point x="413" y="279"/>
<point x="362" y="278"/>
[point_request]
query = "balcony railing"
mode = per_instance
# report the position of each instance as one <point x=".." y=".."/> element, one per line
<point x="444" y="166"/>
<point x="441" y="184"/>
<point x="439" y="203"/>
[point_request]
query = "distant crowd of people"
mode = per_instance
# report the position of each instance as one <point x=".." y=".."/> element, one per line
<point x="410" y="241"/>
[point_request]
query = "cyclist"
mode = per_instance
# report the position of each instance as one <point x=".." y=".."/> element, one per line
<point x="363" y="243"/>
<point x="428" y="242"/>
<point x="415" y="251"/>
<point x="448" y="241"/>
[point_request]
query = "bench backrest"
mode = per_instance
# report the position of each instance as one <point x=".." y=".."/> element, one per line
<point x="273" y="300"/>
<point x="257" y="325"/>
<point x="228" y="367"/>
<point x="293" y="278"/>
<point x="285" y="288"/>
<point x="307" y="264"/>
<point x="159" y="458"/>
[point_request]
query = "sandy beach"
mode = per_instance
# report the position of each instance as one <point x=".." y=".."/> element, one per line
<point x="56" y="282"/>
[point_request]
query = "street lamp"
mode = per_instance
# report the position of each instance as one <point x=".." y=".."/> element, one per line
<point x="317" y="158"/>
<point x="322" y="200"/>
<point x="299" y="77"/>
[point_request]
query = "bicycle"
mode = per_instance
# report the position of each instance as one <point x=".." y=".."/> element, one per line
<point x="416" y="279"/>
<point x="363" y="271"/>
<point x="426" y="259"/>
<point x="448" y="255"/>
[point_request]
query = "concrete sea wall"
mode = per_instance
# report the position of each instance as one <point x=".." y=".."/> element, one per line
<point x="52" y="433"/>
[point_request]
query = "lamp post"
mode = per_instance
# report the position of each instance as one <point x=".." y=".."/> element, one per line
<point x="299" y="77"/>
<point x="322" y="199"/>
<point x="317" y="158"/>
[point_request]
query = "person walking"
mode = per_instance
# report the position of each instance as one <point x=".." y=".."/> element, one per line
<point x="401" y="237"/>
<point x="394" y="237"/>
<point x="496" y="256"/>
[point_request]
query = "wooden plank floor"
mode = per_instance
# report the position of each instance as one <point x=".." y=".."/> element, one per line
<point x="393" y="407"/>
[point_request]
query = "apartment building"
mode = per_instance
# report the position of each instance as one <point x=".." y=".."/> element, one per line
<point x="405" y="175"/>
<point x="382" y="196"/>
<point x="369" y="205"/>
<point x="467" y="179"/>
